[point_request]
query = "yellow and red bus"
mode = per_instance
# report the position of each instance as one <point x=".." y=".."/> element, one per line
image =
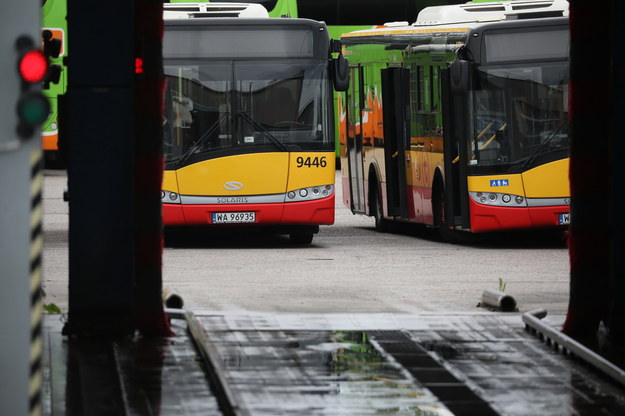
<point x="460" y="120"/>
<point x="248" y="129"/>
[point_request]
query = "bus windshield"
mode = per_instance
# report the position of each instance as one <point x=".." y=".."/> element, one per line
<point x="520" y="115"/>
<point x="245" y="106"/>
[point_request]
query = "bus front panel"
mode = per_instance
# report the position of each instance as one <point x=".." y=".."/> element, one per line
<point x="261" y="189"/>
<point x="537" y="198"/>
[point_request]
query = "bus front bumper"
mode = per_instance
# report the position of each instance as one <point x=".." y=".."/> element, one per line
<point x="317" y="212"/>
<point x="486" y="218"/>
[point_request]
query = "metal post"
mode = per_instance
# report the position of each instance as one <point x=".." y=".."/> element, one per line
<point x="20" y="222"/>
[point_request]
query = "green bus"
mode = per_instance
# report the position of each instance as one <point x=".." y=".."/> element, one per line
<point x="343" y="16"/>
<point x="54" y="39"/>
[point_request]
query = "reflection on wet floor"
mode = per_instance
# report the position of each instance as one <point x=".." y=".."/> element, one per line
<point x="319" y="373"/>
<point x="460" y="364"/>
<point x="127" y="376"/>
<point x="307" y="364"/>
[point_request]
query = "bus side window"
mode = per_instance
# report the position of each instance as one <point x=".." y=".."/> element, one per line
<point x="428" y="102"/>
<point x="436" y="90"/>
<point x="425" y="90"/>
<point x="415" y="125"/>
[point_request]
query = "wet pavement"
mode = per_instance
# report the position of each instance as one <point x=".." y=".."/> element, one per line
<point x="156" y="376"/>
<point x="332" y="364"/>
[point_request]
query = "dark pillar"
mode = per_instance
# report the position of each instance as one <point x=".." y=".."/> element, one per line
<point x="114" y="170"/>
<point x="590" y="171"/>
<point x="616" y="321"/>
<point x="148" y="166"/>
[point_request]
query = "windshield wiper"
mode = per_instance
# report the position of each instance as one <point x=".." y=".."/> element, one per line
<point x="263" y="130"/>
<point x="541" y="147"/>
<point x="202" y="139"/>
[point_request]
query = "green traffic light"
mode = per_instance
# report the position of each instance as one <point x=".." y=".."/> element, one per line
<point x="33" y="108"/>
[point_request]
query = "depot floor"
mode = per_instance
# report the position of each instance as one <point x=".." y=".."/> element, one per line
<point x="483" y="363"/>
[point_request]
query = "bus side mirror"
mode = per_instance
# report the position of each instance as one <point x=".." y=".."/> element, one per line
<point x="339" y="70"/>
<point x="459" y="76"/>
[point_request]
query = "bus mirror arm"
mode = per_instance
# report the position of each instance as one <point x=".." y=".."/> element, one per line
<point x="459" y="76"/>
<point x="339" y="71"/>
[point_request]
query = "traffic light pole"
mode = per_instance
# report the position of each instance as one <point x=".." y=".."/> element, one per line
<point x="20" y="218"/>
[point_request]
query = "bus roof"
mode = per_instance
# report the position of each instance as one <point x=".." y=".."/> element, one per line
<point x="491" y="12"/>
<point x="459" y="18"/>
<point x="196" y="10"/>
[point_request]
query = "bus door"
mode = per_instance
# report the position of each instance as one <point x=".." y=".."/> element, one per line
<point x="395" y="113"/>
<point x="455" y="127"/>
<point x="355" y="157"/>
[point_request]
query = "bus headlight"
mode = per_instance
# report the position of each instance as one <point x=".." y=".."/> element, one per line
<point x="310" y="193"/>
<point x="497" y="199"/>
<point x="168" y="197"/>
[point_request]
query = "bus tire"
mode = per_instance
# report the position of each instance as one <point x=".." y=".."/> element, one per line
<point x="302" y="238"/>
<point x="438" y="210"/>
<point x="381" y="224"/>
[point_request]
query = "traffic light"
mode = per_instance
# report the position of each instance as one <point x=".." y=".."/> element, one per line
<point x="52" y="47"/>
<point x="32" y="107"/>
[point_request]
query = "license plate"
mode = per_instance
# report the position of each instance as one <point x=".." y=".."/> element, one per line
<point x="234" y="217"/>
<point x="564" y="219"/>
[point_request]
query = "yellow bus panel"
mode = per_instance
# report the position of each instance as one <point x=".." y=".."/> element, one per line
<point x="311" y="169"/>
<point x="248" y="174"/>
<point x="509" y="184"/>
<point x="548" y="181"/>
<point x="169" y="181"/>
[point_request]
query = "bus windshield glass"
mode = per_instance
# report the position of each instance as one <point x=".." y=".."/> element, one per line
<point x="520" y="115"/>
<point x="245" y="106"/>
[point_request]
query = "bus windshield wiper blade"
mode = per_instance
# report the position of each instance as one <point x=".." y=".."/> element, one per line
<point x="202" y="139"/>
<point x="263" y="130"/>
<point x="531" y="158"/>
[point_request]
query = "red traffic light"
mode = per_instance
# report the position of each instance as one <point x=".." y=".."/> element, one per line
<point x="33" y="66"/>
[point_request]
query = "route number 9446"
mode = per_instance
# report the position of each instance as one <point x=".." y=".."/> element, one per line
<point x="317" y="162"/>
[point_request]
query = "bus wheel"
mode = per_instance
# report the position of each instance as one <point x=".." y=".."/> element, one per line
<point x="438" y="210"/>
<point x="446" y="234"/>
<point x="381" y="224"/>
<point x="301" y="238"/>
